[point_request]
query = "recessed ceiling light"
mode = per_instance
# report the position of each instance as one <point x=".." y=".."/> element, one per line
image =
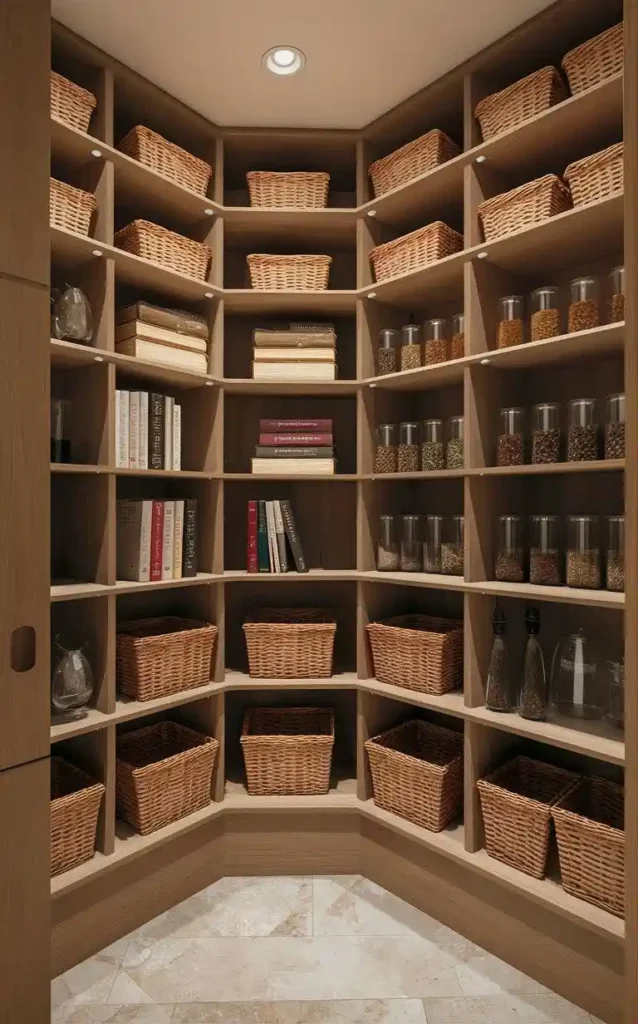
<point x="283" y="60"/>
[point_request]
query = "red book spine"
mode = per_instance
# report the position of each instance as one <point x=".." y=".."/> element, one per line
<point x="302" y="440"/>
<point x="157" y="539"/>
<point x="275" y="426"/>
<point x="251" y="548"/>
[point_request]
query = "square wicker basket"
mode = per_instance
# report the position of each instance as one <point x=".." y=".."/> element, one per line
<point x="415" y="250"/>
<point x="418" y="652"/>
<point x="70" y="103"/>
<point x="270" y="273"/>
<point x="290" y="643"/>
<point x="167" y="159"/>
<point x="70" y="208"/>
<point x="293" y="190"/>
<point x="288" y="751"/>
<point x="157" y="657"/>
<point x="592" y="62"/>
<point x="520" y="101"/>
<point x="523" y="207"/>
<point x="75" y="805"/>
<point x="411" y="161"/>
<point x="597" y="176"/>
<point x="166" y="248"/>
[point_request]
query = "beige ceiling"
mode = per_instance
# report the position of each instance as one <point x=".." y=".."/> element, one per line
<point x="363" y="56"/>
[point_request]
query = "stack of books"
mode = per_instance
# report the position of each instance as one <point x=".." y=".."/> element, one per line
<point x="273" y="541"/>
<point x="148" y="431"/>
<point x="303" y="352"/>
<point x="156" y="540"/>
<point x="294" y="447"/>
<point x="175" y="337"/>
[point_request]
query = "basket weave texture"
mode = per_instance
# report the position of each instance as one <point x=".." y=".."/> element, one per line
<point x="290" y="643"/>
<point x="524" y="206"/>
<point x="288" y="751"/>
<point x="70" y="103"/>
<point x="594" y="61"/>
<point x="163" y="772"/>
<point x="166" y="248"/>
<point x="75" y="805"/>
<point x="597" y="176"/>
<point x="516" y="802"/>
<point x="590" y="833"/>
<point x="70" y="207"/>
<point x="288" y="273"/>
<point x="418" y="652"/>
<point x="412" y="160"/>
<point x="167" y="159"/>
<point x="417" y="772"/>
<point x="415" y="250"/>
<point x="295" y="190"/>
<point x="520" y="101"/>
<point x="156" y="657"/>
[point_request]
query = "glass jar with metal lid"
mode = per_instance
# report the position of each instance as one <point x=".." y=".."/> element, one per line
<point x="510" y="445"/>
<point x="617" y="304"/>
<point x="432" y="543"/>
<point x="385" y="455"/>
<point x="545" y="319"/>
<point x="411" y="544"/>
<point x="509" y="329"/>
<point x="455" y="448"/>
<point x="410" y="347"/>
<point x="546" y="433"/>
<point x="583" y="552"/>
<point x="584" y="311"/>
<point x="409" y="448"/>
<point x="388" y="546"/>
<point x="432" y="450"/>
<point x="387" y="352"/>
<point x="510" y="557"/>
<point x="545" y="557"/>
<point x="615" y="427"/>
<point x="436" y="342"/>
<point x="457" y="341"/>
<point x="582" y="433"/>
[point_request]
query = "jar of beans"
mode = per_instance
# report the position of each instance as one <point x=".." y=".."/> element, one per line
<point x="615" y="427"/>
<point x="411" y="559"/>
<point x="509" y="329"/>
<point x="546" y="433"/>
<point x="388" y="547"/>
<point x="385" y="455"/>
<point x="582" y="435"/>
<point x="545" y="558"/>
<point x="455" y="448"/>
<point x="615" y="554"/>
<point x="387" y="352"/>
<point x="545" y="322"/>
<point x="510" y="446"/>
<point x="432" y="543"/>
<point x="583" y="552"/>
<point x="457" y="343"/>
<point x="617" y="303"/>
<point x="432" y="452"/>
<point x="452" y="548"/>
<point x="409" y="448"/>
<point x="584" y="312"/>
<point x="436" y="342"/>
<point x="510" y="557"/>
<point x="410" y="347"/>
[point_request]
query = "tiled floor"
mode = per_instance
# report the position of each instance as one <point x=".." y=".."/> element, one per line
<point x="336" y="950"/>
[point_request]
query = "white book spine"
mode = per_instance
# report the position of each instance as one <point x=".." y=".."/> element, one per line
<point x="145" y="541"/>
<point x="168" y="540"/>
<point x="134" y="430"/>
<point x="143" y="420"/>
<point x="272" y="536"/>
<point x="178" y="545"/>
<point x="169" y="404"/>
<point x="177" y="437"/>
<point x="121" y="429"/>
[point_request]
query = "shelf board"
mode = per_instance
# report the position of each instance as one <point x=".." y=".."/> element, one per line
<point x="242" y="576"/>
<point x="161" y="372"/>
<point x="295" y="477"/>
<point x="445" y="277"/>
<point x="423" y="197"/>
<point x="240" y="681"/>
<point x="423" y="378"/>
<point x="447" y="704"/>
<point x="77" y="469"/>
<point x="94" y="720"/>
<point x="170" y="474"/>
<point x="247" y="386"/>
<point x="562" y="349"/>
<point x="437" y="581"/>
<point x="426" y="474"/>
<point x="342" y="795"/>
<point x="76" y="250"/>
<point x="551" y="468"/>
<point x="328" y="302"/>
<point x="449" y="842"/>
<point x="131" y="587"/>
<point x="70" y="354"/>
<point x="566" y="595"/>
<point x="74" y="591"/>
<point x="331" y="224"/>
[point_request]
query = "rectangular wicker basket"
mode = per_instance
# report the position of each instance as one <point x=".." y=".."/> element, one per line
<point x="75" y="805"/>
<point x="590" y="833"/>
<point x="167" y="159"/>
<point x="70" y="103"/>
<point x="411" y="161"/>
<point x="288" y="751"/>
<point x="163" y="772"/>
<point x="592" y="62"/>
<point x="290" y="643"/>
<point x="415" y="250"/>
<point x="156" y="657"/>
<point x="70" y="207"/>
<point x="418" y="652"/>
<point x="523" y="207"/>
<point x="417" y="772"/>
<point x="295" y="190"/>
<point x="166" y="248"/>
<point x="520" y="101"/>
<point x="289" y="273"/>
<point x="516" y="802"/>
<point x="597" y="176"/>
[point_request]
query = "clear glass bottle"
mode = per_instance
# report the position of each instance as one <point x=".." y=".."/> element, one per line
<point x="574" y="689"/>
<point x="545" y="320"/>
<point x="432" y="449"/>
<point x="546" y="437"/>
<point x="532" y="701"/>
<point x="615" y="427"/>
<point x="457" y="342"/>
<point x="510" y="445"/>
<point x="437" y="348"/>
<point x="60" y="442"/>
<point x="410" y="347"/>
<point x="509" y="329"/>
<point x="617" y="304"/>
<point x="387" y="352"/>
<point x="510" y="558"/>
<point x="615" y="554"/>
<point x="72" y="318"/>
<point x="388" y="547"/>
<point x="385" y="455"/>
<point x="411" y="544"/>
<point x="583" y="552"/>
<point x="583" y="432"/>
<point x="452" y="548"/>
<point x="615" y="713"/>
<point x="455" y="448"/>
<point x="432" y="544"/>
<point x="71" y="683"/>
<point x="409" y="448"/>
<point x="545" y="557"/>
<point x="584" y="311"/>
<point x="498" y="691"/>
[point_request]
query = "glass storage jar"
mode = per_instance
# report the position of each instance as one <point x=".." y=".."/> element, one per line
<point x="432" y="451"/>
<point x="615" y="427"/>
<point x="432" y="543"/>
<point x="455" y="448"/>
<point x="60" y="442"/>
<point x="436" y="342"/>
<point x="452" y="548"/>
<point x="615" y="554"/>
<point x="385" y="455"/>
<point x="457" y="342"/>
<point x="388" y="546"/>
<point x="510" y="446"/>
<point x="617" y="304"/>
<point x="509" y="329"/>
<point x="583" y="552"/>
<point x="546" y="437"/>
<point x="574" y="688"/>
<point x="545" y="559"/>
<point x="71" y="683"/>
<point x="582" y="434"/>
<point x="545" y="320"/>
<point x="409" y="448"/>
<point x="387" y="352"/>
<point x="411" y="544"/>
<point x="510" y="557"/>
<point x="584" y="312"/>
<point x="615" y="713"/>
<point x="410" y="347"/>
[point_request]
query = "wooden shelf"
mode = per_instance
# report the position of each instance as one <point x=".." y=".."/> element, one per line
<point x="444" y="277"/>
<point x="70" y="354"/>
<point x="247" y="386"/>
<point x="251" y="224"/>
<point x="240" y="681"/>
<point x="77" y="469"/>
<point x="424" y="377"/>
<point x="73" y="591"/>
<point x="551" y="468"/>
<point x="447" y="704"/>
<point x="163" y="374"/>
<point x="342" y="795"/>
<point x="426" y="474"/>
<point x="416" y="579"/>
<point x="422" y="197"/>
<point x="564" y="348"/>
<point x="324" y="303"/>
<point x="594" y="739"/>
<point x="568" y="595"/>
<point x="241" y="576"/>
<point x="130" y="587"/>
<point x="330" y="477"/>
<point x="65" y="730"/>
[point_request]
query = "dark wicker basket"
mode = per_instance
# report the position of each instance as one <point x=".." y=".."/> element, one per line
<point x="288" y="750"/>
<point x="75" y="805"/>
<point x="157" y="657"/>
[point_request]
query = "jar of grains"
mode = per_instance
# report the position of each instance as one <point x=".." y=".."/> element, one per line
<point x="615" y="555"/>
<point x="436" y="342"/>
<point x="387" y="352"/>
<point x="545" y="559"/>
<point x="615" y="427"/>
<point x="510" y="557"/>
<point x="582" y="435"/>
<point x="385" y="455"/>
<point x="452" y="550"/>
<point x="583" y="552"/>
<point x="432" y="543"/>
<point x="510" y="445"/>
<point x="457" y="344"/>
<point x="455" y="448"/>
<point x="546" y="433"/>
<point x="388" y="547"/>
<point x="410" y="347"/>
<point x="411" y="544"/>
<point x="583" y="307"/>
<point x="617" y="304"/>
<point x="409" y="448"/>
<point x="432" y="453"/>
<point x="545" y="322"/>
<point x="509" y="329"/>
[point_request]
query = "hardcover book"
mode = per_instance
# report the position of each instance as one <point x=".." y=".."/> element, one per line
<point x="161" y="335"/>
<point x="295" y="339"/>
<point x="156" y="432"/>
<point x="293" y="467"/>
<point x="295" y="426"/>
<point x="168" y="540"/>
<point x="189" y="560"/>
<point x="263" y="561"/>
<point x="178" y="546"/>
<point x="152" y="352"/>
<point x="263" y="451"/>
<point x="300" y="440"/>
<point x="293" y="537"/>
<point x="157" y="539"/>
<point x="134" y="540"/>
<point x="294" y="371"/>
<point x="252" y="564"/>
<point x="181" y="320"/>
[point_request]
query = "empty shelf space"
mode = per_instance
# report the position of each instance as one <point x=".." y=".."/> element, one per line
<point x="594" y="739"/>
<point x="448" y="703"/>
<point x="328" y="303"/>
<point x="245" y="223"/>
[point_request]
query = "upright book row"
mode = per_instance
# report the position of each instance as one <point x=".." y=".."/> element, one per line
<point x="148" y="431"/>
<point x="273" y="541"/>
<point x="156" y="540"/>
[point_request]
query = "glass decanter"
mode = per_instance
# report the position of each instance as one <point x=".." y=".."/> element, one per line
<point x="575" y="686"/>
<point x="72" y="682"/>
<point x="72" y="318"/>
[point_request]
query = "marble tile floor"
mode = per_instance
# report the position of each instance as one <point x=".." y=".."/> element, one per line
<point x="307" y="950"/>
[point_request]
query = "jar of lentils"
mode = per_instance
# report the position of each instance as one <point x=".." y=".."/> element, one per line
<point x="436" y="342"/>
<point x="510" y="446"/>
<point x="432" y="451"/>
<point x="455" y="448"/>
<point x="545" y="559"/>
<point x="409" y="448"/>
<point x="615" y="554"/>
<point x="388" y="547"/>
<point x="615" y="427"/>
<point x="584" y="312"/>
<point x="452" y="550"/>
<point x="617" y="303"/>
<point x="387" y="352"/>
<point x="385" y="455"/>
<point x="582" y="434"/>
<point x="546" y="437"/>
<point x="411" y="557"/>
<point x="509" y="329"/>
<point x="457" y="342"/>
<point x="410" y="347"/>
<point x="545" y="320"/>
<point x="432" y="543"/>
<point x="583" y="552"/>
<point x="510" y="557"/>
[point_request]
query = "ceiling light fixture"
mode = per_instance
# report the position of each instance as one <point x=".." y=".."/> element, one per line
<point x="284" y="60"/>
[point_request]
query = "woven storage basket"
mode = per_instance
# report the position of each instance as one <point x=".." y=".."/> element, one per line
<point x="590" y="833"/>
<point x="417" y="249"/>
<point x="167" y="159"/>
<point x="290" y="643"/>
<point x="69" y="207"/>
<point x="70" y="103"/>
<point x="524" y="206"/>
<point x="167" y="248"/>
<point x="597" y="176"/>
<point x="418" y="652"/>
<point x="298" y="190"/>
<point x="412" y="160"/>
<point x="156" y="657"/>
<point x="516" y="802"/>
<point x="75" y="805"/>
<point x="163" y="772"/>
<point x="522" y="100"/>
<point x="417" y="772"/>
<point x="288" y="750"/>
<point x="594" y="61"/>
<point x="289" y="273"/>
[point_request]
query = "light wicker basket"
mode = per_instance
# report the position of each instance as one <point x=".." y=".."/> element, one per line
<point x="163" y="772"/>
<point x="590" y="833"/>
<point x="166" y="248"/>
<point x="70" y="207"/>
<point x="289" y="273"/>
<point x="296" y="190"/>
<point x="411" y="161"/>
<point x="75" y="805"/>
<point x="156" y="657"/>
<point x="597" y="176"/>
<point x="524" y="206"/>
<point x="417" y="249"/>
<point x="167" y="159"/>
<point x="418" y="652"/>
<point x="417" y="772"/>
<point x="290" y="643"/>
<point x="594" y="61"/>
<point x="520" y="101"/>
<point x="70" y="103"/>
<point x="516" y="802"/>
<point x="288" y="750"/>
